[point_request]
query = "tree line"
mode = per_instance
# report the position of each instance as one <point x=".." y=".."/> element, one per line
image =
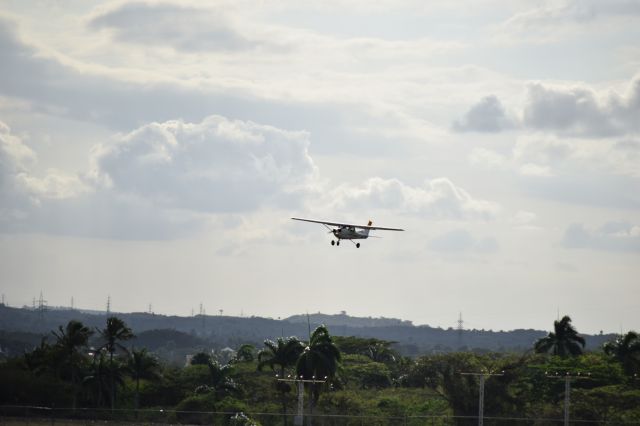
<point x="83" y="367"/>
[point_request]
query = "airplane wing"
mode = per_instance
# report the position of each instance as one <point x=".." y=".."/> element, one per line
<point x="348" y="224"/>
<point x="379" y="228"/>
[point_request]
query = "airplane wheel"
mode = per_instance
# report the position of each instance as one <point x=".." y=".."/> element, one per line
<point x="333" y="243"/>
<point x="357" y="245"/>
<point x="338" y="243"/>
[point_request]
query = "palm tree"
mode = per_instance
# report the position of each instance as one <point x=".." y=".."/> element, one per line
<point x="283" y="353"/>
<point x="115" y="331"/>
<point x="69" y="341"/>
<point x="626" y="350"/>
<point x="219" y="378"/>
<point x="40" y="359"/>
<point x="380" y="352"/>
<point x="245" y="353"/>
<point x="142" y="365"/>
<point x="319" y="361"/>
<point x="99" y="376"/>
<point x="563" y="341"/>
<point x="201" y="358"/>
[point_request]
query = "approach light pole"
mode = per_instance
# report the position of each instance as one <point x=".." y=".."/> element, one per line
<point x="567" y="388"/>
<point x="299" y="418"/>
<point x="483" y="376"/>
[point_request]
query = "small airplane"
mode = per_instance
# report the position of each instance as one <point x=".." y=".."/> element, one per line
<point x="347" y="231"/>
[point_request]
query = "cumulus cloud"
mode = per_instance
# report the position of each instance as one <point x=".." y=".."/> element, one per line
<point x="578" y="111"/>
<point x="549" y="155"/>
<point x="165" y="24"/>
<point x="437" y="198"/>
<point x="19" y="186"/>
<point x="162" y="180"/>
<point x="548" y="22"/>
<point x="612" y="236"/>
<point x="461" y="240"/>
<point x="574" y="111"/>
<point x="487" y="116"/>
<point x="122" y="101"/>
<point x="524" y="220"/>
<point x="216" y="165"/>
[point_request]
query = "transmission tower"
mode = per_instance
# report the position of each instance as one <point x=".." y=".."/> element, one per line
<point x="42" y="307"/>
<point x="460" y="327"/>
<point x="203" y="316"/>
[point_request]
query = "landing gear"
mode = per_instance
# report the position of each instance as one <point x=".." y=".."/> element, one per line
<point x="333" y="243"/>
<point x="357" y="245"/>
<point x="338" y="242"/>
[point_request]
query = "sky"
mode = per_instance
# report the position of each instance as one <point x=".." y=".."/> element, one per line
<point x="153" y="153"/>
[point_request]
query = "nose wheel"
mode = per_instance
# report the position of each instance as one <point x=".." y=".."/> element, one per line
<point x="335" y="243"/>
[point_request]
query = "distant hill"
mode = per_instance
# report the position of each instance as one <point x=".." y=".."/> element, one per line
<point x="344" y="319"/>
<point x="174" y="333"/>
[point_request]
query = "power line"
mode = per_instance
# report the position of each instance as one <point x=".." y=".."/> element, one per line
<point x="483" y="376"/>
<point x="299" y="418"/>
<point x="567" y="388"/>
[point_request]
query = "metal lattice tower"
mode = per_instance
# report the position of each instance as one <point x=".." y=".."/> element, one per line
<point x="460" y="327"/>
<point x="42" y="307"/>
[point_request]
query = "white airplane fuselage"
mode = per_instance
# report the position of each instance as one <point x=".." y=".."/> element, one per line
<point x="350" y="233"/>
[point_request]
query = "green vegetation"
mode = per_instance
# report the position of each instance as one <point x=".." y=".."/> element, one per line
<point x="356" y="376"/>
<point x="563" y="341"/>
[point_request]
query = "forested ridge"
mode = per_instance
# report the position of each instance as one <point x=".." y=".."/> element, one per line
<point x="111" y="369"/>
<point x="219" y="331"/>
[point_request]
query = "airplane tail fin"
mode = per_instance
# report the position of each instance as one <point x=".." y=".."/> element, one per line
<point x="366" y="231"/>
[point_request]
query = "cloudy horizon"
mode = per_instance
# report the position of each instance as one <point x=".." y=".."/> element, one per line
<point x="155" y="151"/>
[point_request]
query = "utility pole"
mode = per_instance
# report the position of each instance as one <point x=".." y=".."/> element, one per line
<point x="299" y="418"/>
<point x="483" y="376"/>
<point x="567" y="389"/>
<point x="108" y="306"/>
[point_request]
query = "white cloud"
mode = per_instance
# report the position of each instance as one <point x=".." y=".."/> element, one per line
<point x="548" y="155"/>
<point x="164" y="24"/>
<point x="487" y="116"/>
<point x="582" y="112"/>
<point x="487" y="158"/>
<point x="549" y="22"/>
<point x="163" y="180"/>
<point x="216" y="165"/>
<point x="461" y="240"/>
<point x="437" y="198"/>
<point x="523" y="218"/>
<point x="19" y="186"/>
<point x="564" y="110"/>
<point x="612" y="236"/>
